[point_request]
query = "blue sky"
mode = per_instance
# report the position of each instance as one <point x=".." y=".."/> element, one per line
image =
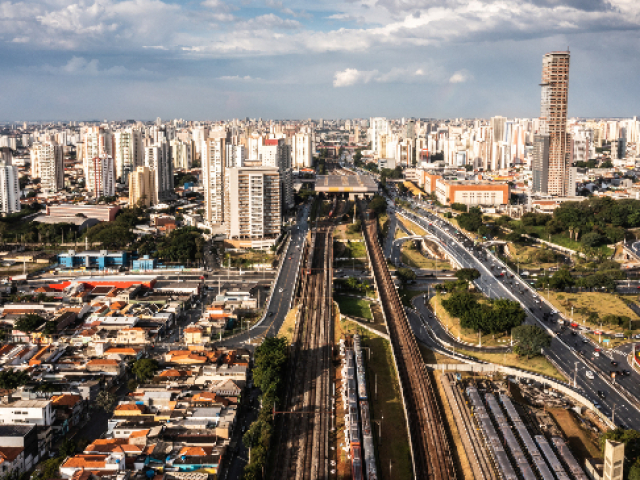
<point x="217" y="59"/>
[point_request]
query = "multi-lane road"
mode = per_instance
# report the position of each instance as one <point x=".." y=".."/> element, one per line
<point x="283" y="289"/>
<point x="569" y="350"/>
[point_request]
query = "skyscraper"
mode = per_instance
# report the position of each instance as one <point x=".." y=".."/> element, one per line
<point x="213" y="173"/>
<point x="142" y="186"/>
<point x="9" y="184"/>
<point x="553" y="120"/>
<point x="158" y="159"/>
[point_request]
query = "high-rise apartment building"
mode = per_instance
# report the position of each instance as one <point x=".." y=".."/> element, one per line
<point x="102" y="181"/>
<point x="553" y="119"/>
<point x="128" y="152"/>
<point x="235" y="156"/>
<point x="9" y="183"/>
<point x="47" y="164"/>
<point x="158" y="159"/>
<point x="252" y="203"/>
<point x="377" y="126"/>
<point x="96" y="141"/>
<point x="142" y="187"/>
<point x="213" y="173"/>
<point x="276" y="153"/>
<point x="182" y="153"/>
<point x="301" y="154"/>
<point x="540" y="164"/>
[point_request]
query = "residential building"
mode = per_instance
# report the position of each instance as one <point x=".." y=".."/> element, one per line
<point x="38" y="412"/>
<point x="47" y="164"/>
<point x="128" y="152"/>
<point x="301" y="153"/>
<point x="472" y="192"/>
<point x="553" y="119"/>
<point x="540" y="164"/>
<point x="158" y="159"/>
<point x="96" y="141"/>
<point x="234" y="156"/>
<point x="252" y="203"/>
<point x="182" y="153"/>
<point x="377" y="126"/>
<point x="101" y="180"/>
<point x="213" y="170"/>
<point x="142" y="187"/>
<point x="276" y="153"/>
<point x="9" y="184"/>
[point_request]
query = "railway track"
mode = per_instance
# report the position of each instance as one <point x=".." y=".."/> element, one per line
<point x="428" y="440"/>
<point x="302" y="448"/>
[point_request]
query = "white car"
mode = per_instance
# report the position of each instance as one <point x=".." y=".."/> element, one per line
<point x="589" y="374"/>
<point x="596" y="354"/>
<point x="280" y="290"/>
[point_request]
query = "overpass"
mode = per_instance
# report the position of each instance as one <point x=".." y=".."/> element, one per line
<point x="351" y="184"/>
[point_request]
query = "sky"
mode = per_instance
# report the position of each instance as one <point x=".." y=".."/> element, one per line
<point x="219" y="59"/>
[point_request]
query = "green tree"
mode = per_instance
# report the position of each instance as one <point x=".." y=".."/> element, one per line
<point x="378" y="204"/>
<point x="11" y="379"/>
<point x="561" y="279"/>
<point x="460" y="207"/>
<point x="29" y="323"/>
<point x="530" y="339"/>
<point x="405" y="275"/>
<point x="468" y="274"/>
<point x="145" y="369"/>
<point x="471" y="220"/>
<point x="592" y="239"/>
<point x="106" y="400"/>
<point x="67" y="448"/>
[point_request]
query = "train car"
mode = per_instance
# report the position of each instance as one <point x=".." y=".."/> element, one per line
<point x="356" y="462"/>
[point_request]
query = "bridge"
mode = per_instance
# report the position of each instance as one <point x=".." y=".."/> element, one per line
<point x="395" y="251"/>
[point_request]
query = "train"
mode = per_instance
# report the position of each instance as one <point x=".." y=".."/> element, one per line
<point x="333" y="207"/>
<point x="365" y="446"/>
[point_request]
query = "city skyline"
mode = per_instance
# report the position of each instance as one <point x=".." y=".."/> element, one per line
<point x="211" y="59"/>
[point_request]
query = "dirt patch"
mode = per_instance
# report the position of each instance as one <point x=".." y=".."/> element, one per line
<point x="582" y="442"/>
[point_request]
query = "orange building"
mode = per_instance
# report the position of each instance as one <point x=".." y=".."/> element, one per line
<point x="472" y="192"/>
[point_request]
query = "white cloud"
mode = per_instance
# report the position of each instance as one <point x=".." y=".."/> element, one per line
<point x="351" y="76"/>
<point x="20" y="40"/>
<point x="461" y="76"/>
<point x="82" y="66"/>
<point x="238" y="78"/>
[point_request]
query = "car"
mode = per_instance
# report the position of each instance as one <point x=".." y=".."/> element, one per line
<point x="289" y="258"/>
<point x="614" y="363"/>
<point x="626" y="373"/>
<point x="596" y="354"/>
<point x="281" y="290"/>
<point x="589" y="374"/>
<point x="271" y="314"/>
<point x="601" y="394"/>
<point x="598" y="350"/>
<point x="573" y="332"/>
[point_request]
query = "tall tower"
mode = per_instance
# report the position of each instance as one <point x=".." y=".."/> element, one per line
<point x="553" y="119"/>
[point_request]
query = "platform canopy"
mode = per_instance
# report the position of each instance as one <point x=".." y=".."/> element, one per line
<point x="346" y="184"/>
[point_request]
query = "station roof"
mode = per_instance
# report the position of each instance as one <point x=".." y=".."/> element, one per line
<point x="346" y="184"/>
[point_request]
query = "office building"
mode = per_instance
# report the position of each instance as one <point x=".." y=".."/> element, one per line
<point x="142" y="187"/>
<point x="9" y="183"/>
<point x="102" y="181"/>
<point x="158" y="159"/>
<point x="540" y="164"/>
<point x="553" y="119"/>
<point x="47" y="164"/>
<point x="213" y="168"/>
<point x="252" y="203"/>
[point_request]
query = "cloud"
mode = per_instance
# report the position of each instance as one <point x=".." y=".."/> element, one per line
<point x="20" y="40"/>
<point x="351" y="76"/>
<point x="238" y="78"/>
<point x="461" y="76"/>
<point x="269" y="21"/>
<point x="81" y="66"/>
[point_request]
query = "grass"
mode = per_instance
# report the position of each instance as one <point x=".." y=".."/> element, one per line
<point x="466" y="335"/>
<point x="560" y="239"/>
<point x="341" y="232"/>
<point x="394" y="448"/>
<point x="354" y="250"/>
<point x="412" y="227"/>
<point x="400" y="234"/>
<point x="523" y="254"/>
<point x="582" y="443"/>
<point x="250" y="258"/>
<point x="354" y="307"/>
<point x="539" y="364"/>
<point x="288" y="326"/>
<point x="383" y="223"/>
<point x="415" y="259"/>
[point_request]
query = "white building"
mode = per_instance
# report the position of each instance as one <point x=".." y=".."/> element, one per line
<point x="157" y="158"/>
<point x="213" y="168"/>
<point x="182" y="153"/>
<point x="276" y="153"/>
<point x="235" y="156"/>
<point x="128" y="152"/>
<point x="9" y="183"/>
<point x="301" y="153"/>
<point x="96" y="141"/>
<point x="38" y="412"/>
<point x="377" y="126"/>
<point x="47" y="164"/>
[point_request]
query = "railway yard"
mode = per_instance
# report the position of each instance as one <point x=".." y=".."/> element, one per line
<point x="325" y="425"/>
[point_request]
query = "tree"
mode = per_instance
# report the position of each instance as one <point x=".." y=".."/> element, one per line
<point x="561" y="279"/>
<point x="145" y="369"/>
<point x="606" y="164"/>
<point x="592" y="239"/>
<point x="132" y="385"/>
<point x="378" y="204"/>
<point x="68" y="448"/>
<point x="29" y="323"/>
<point x="471" y="220"/>
<point x="461" y="207"/>
<point x="11" y="379"/>
<point x="468" y="274"/>
<point x="530" y="340"/>
<point x="634" y="471"/>
<point x="106" y="400"/>
<point x="352" y="283"/>
<point x="405" y="275"/>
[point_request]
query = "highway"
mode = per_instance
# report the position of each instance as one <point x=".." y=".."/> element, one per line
<point x="573" y="353"/>
<point x="283" y="289"/>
